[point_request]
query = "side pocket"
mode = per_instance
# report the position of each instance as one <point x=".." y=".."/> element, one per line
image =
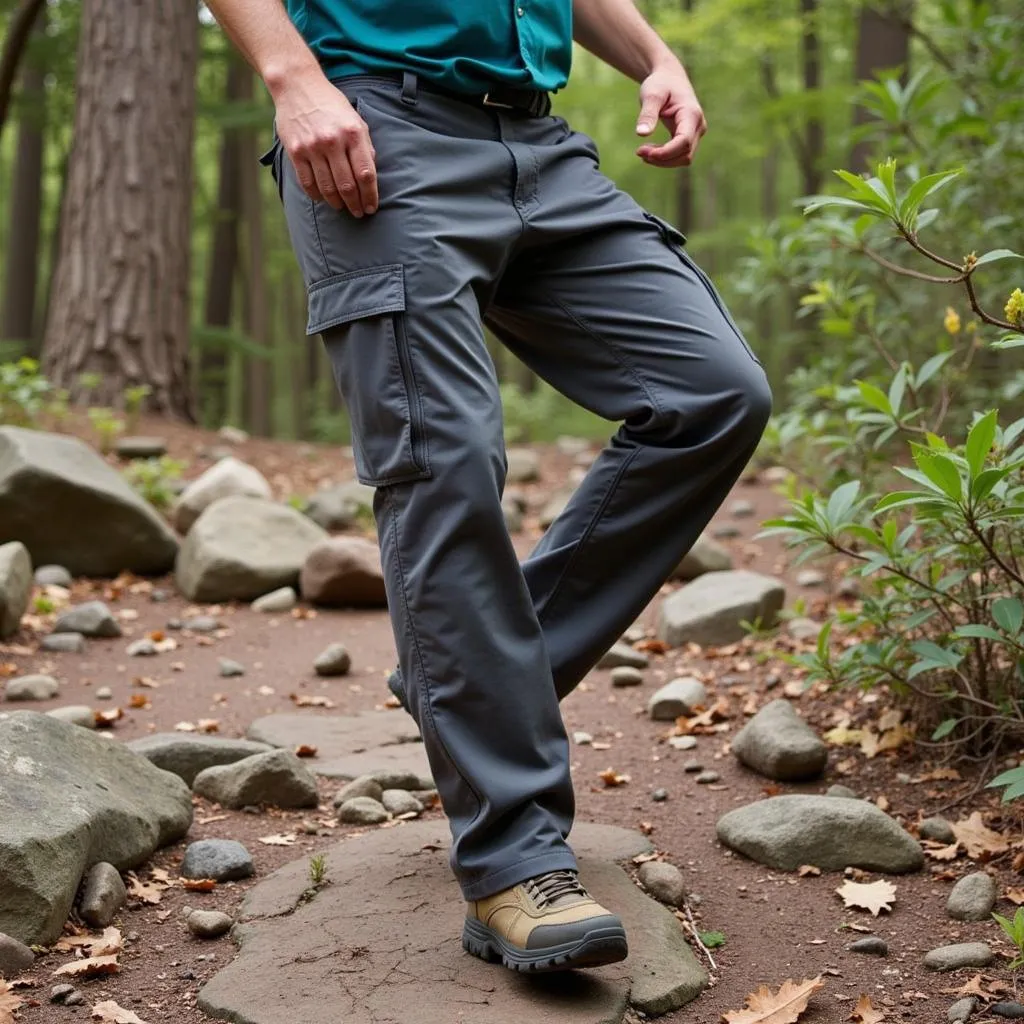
<point x="361" y="316"/>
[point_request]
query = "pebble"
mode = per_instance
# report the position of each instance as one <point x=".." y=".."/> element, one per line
<point x="158" y="596"/>
<point x="334" y="660"/>
<point x="35" y="687"/>
<point x="93" y="618"/>
<point x="937" y="829"/>
<point x="144" y="648"/>
<point x="973" y="897"/>
<point x="803" y="629"/>
<point x="75" y="714"/>
<point x="281" y="600"/>
<point x="693" y="767"/>
<point x="228" y="668"/>
<point x="960" y="954"/>
<point x="1013" y="1011"/>
<point x="772" y="680"/>
<point x="60" y="992"/>
<point x="848" y="587"/>
<point x="104" y="693"/>
<point x="841" y="792"/>
<point x="208" y="924"/>
<point x="741" y="509"/>
<point x="362" y="810"/>
<point x="583" y="739"/>
<point x="725" y="532"/>
<point x="223" y="860"/>
<point x="201" y="624"/>
<point x="140" y="447"/>
<point x="53" y="576"/>
<point x="872" y="946"/>
<point x="707" y="778"/>
<point x="960" y="1010"/>
<point x="363" y="786"/>
<point x="400" y="801"/>
<point x="15" y="957"/>
<point x="663" y="881"/>
<point x="810" y="578"/>
<point x="634" y="635"/>
<point x="103" y="895"/>
<point x="63" y="643"/>
<point x="659" y="795"/>
<point x="682" y="742"/>
<point x="74" y="999"/>
<point x="679" y="697"/>
<point x="626" y="675"/>
<point x="620" y="655"/>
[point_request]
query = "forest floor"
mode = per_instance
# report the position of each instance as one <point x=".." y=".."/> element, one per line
<point x="777" y="926"/>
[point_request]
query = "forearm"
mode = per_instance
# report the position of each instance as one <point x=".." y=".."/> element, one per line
<point x="616" y="32"/>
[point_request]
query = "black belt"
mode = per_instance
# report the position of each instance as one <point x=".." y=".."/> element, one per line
<point x="531" y="102"/>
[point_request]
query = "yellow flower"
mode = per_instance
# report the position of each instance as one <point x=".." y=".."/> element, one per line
<point x="952" y="320"/>
<point x="1015" y="308"/>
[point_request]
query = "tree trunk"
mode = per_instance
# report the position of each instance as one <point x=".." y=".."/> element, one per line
<point x="15" y="43"/>
<point x="21" y="272"/>
<point x="814" y="133"/>
<point x="120" y="292"/>
<point x="883" y="42"/>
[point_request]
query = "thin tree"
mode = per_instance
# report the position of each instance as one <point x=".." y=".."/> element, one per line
<point x="19" y="30"/>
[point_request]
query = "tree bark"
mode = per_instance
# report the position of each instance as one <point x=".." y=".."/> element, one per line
<point x="120" y="292"/>
<point x="21" y="271"/>
<point x="814" y="132"/>
<point x="15" y="43"/>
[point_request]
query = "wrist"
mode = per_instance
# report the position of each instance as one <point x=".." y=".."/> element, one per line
<point x="289" y="71"/>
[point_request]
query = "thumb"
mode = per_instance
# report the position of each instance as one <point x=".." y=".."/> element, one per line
<point x="651" y="102"/>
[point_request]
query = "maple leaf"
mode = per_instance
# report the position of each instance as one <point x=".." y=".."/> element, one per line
<point x="865" y="1013"/>
<point x="979" y="840"/>
<point x="969" y="988"/>
<point x="873" y="896"/>
<point x="111" y="1013"/>
<point x="782" y="1007"/>
<point x="843" y="735"/>
<point x="150" y="892"/>
<point x="9" y="1002"/>
<point x="91" y="967"/>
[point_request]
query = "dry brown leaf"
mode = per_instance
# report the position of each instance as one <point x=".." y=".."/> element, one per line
<point x="139" y="702"/>
<point x="890" y="719"/>
<point x="106" y="719"/>
<point x="782" y="1007"/>
<point x="1015" y="895"/>
<point x="199" y="884"/>
<point x="808" y="871"/>
<point x="111" y="1013"/>
<point x="610" y="777"/>
<point x="305" y="750"/>
<point x="843" y="735"/>
<point x="873" y="896"/>
<point x="145" y="892"/>
<point x="969" y="988"/>
<point x="146" y="682"/>
<point x="311" y="701"/>
<point x="108" y="942"/>
<point x="287" y="839"/>
<point x="184" y="727"/>
<point x="9" y="1002"/>
<point x="940" y="775"/>
<point x="978" y="839"/>
<point x="652" y="646"/>
<point x="939" y="852"/>
<point x="894" y="738"/>
<point x="865" y="1013"/>
<point x="91" y="967"/>
<point x="208" y="725"/>
<point x="869" y="744"/>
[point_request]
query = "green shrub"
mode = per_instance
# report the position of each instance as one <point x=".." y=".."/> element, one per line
<point x="154" y="479"/>
<point x="108" y="426"/>
<point x="24" y="393"/>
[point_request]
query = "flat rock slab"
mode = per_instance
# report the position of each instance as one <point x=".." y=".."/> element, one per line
<point x="348" y="745"/>
<point x="381" y="944"/>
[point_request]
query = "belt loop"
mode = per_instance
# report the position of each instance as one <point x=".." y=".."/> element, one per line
<point x="409" y="88"/>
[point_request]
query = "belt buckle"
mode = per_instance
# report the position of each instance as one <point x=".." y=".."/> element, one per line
<point x="488" y="102"/>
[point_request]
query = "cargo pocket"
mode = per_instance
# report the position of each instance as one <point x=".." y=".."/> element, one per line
<point x="361" y="316"/>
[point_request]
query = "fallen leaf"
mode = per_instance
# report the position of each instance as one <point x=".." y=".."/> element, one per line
<point x="305" y="750"/>
<point x="140" y="702"/>
<point x="782" y="1007"/>
<point x="969" y="988"/>
<point x="939" y="852"/>
<point x="106" y="719"/>
<point x="610" y="777"/>
<point x="311" y="701"/>
<point x="892" y="739"/>
<point x="940" y="775"/>
<point x="652" y="646"/>
<point x="979" y="840"/>
<point x="1016" y="896"/>
<point x="869" y="744"/>
<point x="882" y="802"/>
<point x="808" y="871"/>
<point x="842" y="736"/>
<point x="890" y="719"/>
<point x="596" y="745"/>
<point x="91" y="967"/>
<point x="145" y="892"/>
<point x="146" y="682"/>
<point x="108" y="942"/>
<point x="9" y="1002"/>
<point x="208" y="725"/>
<point x="184" y="727"/>
<point x="198" y="884"/>
<point x="288" y="839"/>
<point x="873" y="896"/>
<point x="111" y="1013"/>
<point x="865" y="1013"/>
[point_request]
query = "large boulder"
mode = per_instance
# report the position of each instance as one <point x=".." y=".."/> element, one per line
<point x="711" y="610"/>
<point x="67" y="506"/>
<point x="786" y="832"/>
<point x="779" y="744"/>
<point x="344" y="572"/>
<point x="230" y="477"/>
<point x="70" y="798"/>
<point x="339" y="507"/>
<point x="242" y="548"/>
<point x="187" y="754"/>
<point x="15" y="586"/>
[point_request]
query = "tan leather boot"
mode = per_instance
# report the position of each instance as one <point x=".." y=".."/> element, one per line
<point x="547" y="923"/>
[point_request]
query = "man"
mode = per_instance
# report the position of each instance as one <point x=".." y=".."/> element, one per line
<point x="427" y="188"/>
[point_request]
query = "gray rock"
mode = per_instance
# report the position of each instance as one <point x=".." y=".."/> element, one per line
<point x="31" y="688"/>
<point x="555" y="505"/>
<point x="344" y="572"/>
<point x="230" y="477"/>
<point x="140" y="447"/>
<point x="960" y="1010"/>
<point x="523" y="466"/>
<point x="223" y="860"/>
<point x="727" y="531"/>
<point x="573" y="446"/>
<point x="283" y="599"/>
<point x="1013" y="1011"/>
<point x="810" y="578"/>
<point x="363" y="786"/>
<point x="706" y="555"/>
<point x="104" y="693"/>
<point x="362" y="810"/>
<point x="682" y="742"/>
<point x="513" y="515"/>
<point x="53" y="576"/>
<point x="277" y="778"/>
<point x="95" y="524"/>
<point x="779" y="744"/>
<point x="693" y="767"/>
<point x="938" y="830"/>
<point x="787" y="831"/>
<point x="870" y="946"/>
<point x="707" y="778"/>
<point x="388" y="779"/>
<point x="400" y="801"/>
<point x="142" y="648"/>
<point x="960" y="954"/>
<point x="93" y="618"/>
<point x="74" y="998"/>
<point x="201" y="624"/>
<point x="679" y="697"/>
<point x="230" y="669"/>
<point x="208" y="924"/>
<point x="973" y="897"/>
<point x="624" y="675"/>
<point x="803" y="629"/>
<point x="75" y="714"/>
<point x="338" y="508"/>
<point x="848" y="587"/>
<point x="187" y="754"/>
<point x="240" y="548"/>
<point x="334" y="660"/>
<point x="103" y="895"/>
<point x="69" y="799"/>
<point x="582" y="739"/>
<point x="15" y="586"/>
<point x="659" y="795"/>
<point x="60" y="992"/>
<point x="622" y="654"/>
<point x="841" y="792"/>
<point x="709" y="611"/>
<point x="15" y="957"/>
<point x="741" y="509"/>
<point x="663" y="881"/>
<point x="63" y="643"/>
<point x="232" y="435"/>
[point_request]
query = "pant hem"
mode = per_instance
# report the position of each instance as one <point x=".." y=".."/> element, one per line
<point x="498" y="881"/>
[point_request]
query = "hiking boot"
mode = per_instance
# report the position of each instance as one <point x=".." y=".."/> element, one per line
<point x="547" y="923"/>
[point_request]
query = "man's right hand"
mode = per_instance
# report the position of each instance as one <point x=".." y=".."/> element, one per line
<point x="328" y="143"/>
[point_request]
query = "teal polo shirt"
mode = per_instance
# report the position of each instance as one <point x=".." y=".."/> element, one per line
<point x="464" y="45"/>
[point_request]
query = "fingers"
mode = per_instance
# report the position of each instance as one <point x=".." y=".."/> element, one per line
<point x="362" y="160"/>
<point x="680" y="150"/>
<point x="340" y="169"/>
<point x="650" y="110"/>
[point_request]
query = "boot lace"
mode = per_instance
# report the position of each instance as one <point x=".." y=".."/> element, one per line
<point x="553" y="887"/>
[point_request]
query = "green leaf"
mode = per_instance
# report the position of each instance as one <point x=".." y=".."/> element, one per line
<point x="940" y="470"/>
<point x="979" y="442"/>
<point x="930" y="368"/>
<point x="821" y="202"/>
<point x="841" y="502"/>
<point x="945" y="728"/>
<point x="998" y="254"/>
<point x="920" y="191"/>
<point x="978" y="631"/>
<point x="870" y="192"/>
<point x="874" y="396"/>
<point x="1008" y="613"/>
<point x="939" y="656"/>
<point x="896" y="390"/>
<point x="985" y="481"/>
<point x="887" y="176"/>
<point x="1007" y="778"/>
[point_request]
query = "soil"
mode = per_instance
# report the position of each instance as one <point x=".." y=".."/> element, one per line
<point x="776" y="925"/>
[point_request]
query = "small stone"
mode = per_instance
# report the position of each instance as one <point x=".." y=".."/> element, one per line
<point x="15" y="957"/>
<point x="277" y="778"/>
<point x="705" y="556"/>
<point x="36" y="687"/>
<point x="582" y="739"/>
<point x="388" y="779"/>
<point x="960" y="1010"/>
<point x="1013" y="1011"/>
<point x="208" y="924"/>
<point x="569" y="445"/>
<point x="159" y="596"/>
<point x="659" y="795"/>
<point x="841" y="792"/>
<point x="725" y="532"/>
<point x="75" y="714"/>
<point x="625" y="675"/>
<point x="803" y="629"/>
<point x="400" y="801"/>
<point x="362" y="810"/>
<point x="810" y="578"/>
<point x="871" y="946"/>
<point x="938" y="830"/>
<point x="707" y="778"/>
<point x="523" y="465"/>
<point x="848" y="588"/>
<point x="201" y="624"/>
<point x="15" y="584"/>
<point x="140" y="447"/>
<point x="93" y="618"/>
<point x="283" y="599"/>
<point x="144" y="648"/>
<point x="682" y="742"/>
<point x="741" y="509"/>
<point x="63" y="643"/>
<point x="663" y="881"/>
<point x="53" y="576"/>
<point x="363" y="786"/>
<point x="103" y="895"/>
<point x="223" y="860"/>
<point x="780" y="745"/>
<point x="622" y="654"/>
<point x="960" y="954"/>
<point x="679" y="697"/>
<point x="693" y="767"/>
<point x="60" y="992"/>
<point x="75" y="998"/>
<point x="772" y="680"/>
<point x="334" y="660"/>
<point x="634" y="634"/>
<point x="229" y="669"/>
<point x="232" y="435"/>
<point x="973" y="897"/>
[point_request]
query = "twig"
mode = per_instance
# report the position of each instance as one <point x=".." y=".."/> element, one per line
<point x="907" y="271"/>
<point x="692" y="926"/>
<point x="993" y="320"/>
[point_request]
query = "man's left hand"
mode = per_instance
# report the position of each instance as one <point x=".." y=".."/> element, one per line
<point x="667" y="96"/>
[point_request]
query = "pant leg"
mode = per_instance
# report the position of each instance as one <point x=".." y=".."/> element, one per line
<point x="604" y="303"/>
<point x="397" y="297"/>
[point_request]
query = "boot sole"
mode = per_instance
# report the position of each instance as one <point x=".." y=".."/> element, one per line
<point x="593" y="949"/>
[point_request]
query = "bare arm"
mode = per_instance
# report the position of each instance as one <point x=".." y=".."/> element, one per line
<point x="616" y="32"/>
<point x="326" y="140"/>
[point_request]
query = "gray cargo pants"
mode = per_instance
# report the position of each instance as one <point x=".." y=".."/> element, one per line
<point x="501" y="217"/>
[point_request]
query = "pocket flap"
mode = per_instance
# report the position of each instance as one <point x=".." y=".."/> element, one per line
<point x="357" y="294"/>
